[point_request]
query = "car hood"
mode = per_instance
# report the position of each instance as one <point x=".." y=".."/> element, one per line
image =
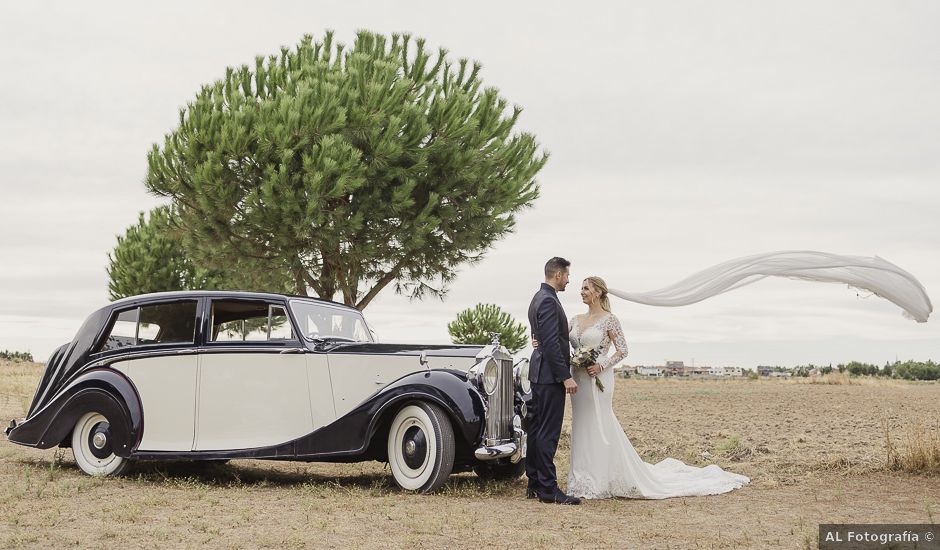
<point x="372" y="348"/>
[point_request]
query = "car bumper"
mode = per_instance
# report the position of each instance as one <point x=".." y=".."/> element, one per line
<point x="514" y="449"/>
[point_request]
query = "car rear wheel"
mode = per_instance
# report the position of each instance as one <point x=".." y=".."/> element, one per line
<point x="421" y="447"/>
<point x="91" y="446"/>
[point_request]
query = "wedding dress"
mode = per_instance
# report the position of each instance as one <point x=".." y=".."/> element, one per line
<point x="603" y="461"/>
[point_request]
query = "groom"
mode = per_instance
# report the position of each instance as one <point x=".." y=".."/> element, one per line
<point x="551" y="379"/>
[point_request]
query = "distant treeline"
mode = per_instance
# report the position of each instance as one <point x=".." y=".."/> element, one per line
<point x="908" y="370"/>
<point x="16" y="356"/>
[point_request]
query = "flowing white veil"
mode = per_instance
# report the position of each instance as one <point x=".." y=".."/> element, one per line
<point x="876" y="275"/>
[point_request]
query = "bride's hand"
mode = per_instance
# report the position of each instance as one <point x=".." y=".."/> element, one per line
<point x="594" y="370"/>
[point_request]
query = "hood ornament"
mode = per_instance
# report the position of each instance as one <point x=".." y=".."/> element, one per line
<point x="494" y="339"/>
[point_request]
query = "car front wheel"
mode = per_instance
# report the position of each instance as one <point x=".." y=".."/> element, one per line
<point x="421" y="447"/>
<point x="91" y="445"/>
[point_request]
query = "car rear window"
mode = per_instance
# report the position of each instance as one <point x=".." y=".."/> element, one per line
<point x="173" y="323"/>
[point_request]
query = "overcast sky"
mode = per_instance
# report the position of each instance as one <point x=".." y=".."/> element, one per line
<point x="681" y="134"/>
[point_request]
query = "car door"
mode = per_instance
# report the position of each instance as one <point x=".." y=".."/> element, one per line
<point x="253" y="378"/>
<point x="160" y="338"/>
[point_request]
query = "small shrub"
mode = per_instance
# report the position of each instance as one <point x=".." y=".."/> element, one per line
<point x="473" y="326"/>
<point x="17" y="356"/>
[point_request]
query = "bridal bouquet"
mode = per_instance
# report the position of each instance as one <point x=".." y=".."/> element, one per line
<point x="584" y="358"/>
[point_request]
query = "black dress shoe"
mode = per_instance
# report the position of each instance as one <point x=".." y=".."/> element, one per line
<point x="531" y="493"/>
<point x="561" y="498"/>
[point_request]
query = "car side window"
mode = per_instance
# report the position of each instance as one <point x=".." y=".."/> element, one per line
<point x="124" y="331"/>
<point x="249" y="322"/>
<point x="167" y="324"/>
<point x="173" y="323"/>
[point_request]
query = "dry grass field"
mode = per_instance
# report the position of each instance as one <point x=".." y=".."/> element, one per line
<point x="816" y="453"/>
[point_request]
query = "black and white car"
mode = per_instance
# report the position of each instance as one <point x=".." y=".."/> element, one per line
<point x="226" y="375"/>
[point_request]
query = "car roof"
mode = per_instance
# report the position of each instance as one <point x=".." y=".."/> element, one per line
<point x="191" y="294"/>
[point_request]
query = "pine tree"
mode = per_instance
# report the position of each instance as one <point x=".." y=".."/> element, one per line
<point x="338" y="171"/>
<point x="474" y="326"/>
<point x="152" y="256"/>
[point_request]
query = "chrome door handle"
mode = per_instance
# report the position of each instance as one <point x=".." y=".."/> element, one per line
<point x="291" y="350"/>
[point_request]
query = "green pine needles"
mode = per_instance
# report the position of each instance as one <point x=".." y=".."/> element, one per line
<point x="154" y="256"/>
<point x="342" y="171"/>
<point x="150" y="258"/>
<point x="473" y="326"/>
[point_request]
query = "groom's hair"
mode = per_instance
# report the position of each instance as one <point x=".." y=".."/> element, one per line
<point x="555" y="265"/>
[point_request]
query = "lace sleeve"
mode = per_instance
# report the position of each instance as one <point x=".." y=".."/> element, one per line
<point x="615" y="333"/>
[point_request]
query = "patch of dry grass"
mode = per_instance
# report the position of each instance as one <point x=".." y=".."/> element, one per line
<point x="18" y="380"/>
<point x="814" y="453"/>
<point x="917" y="450"/>
<point x="845" y="379"/>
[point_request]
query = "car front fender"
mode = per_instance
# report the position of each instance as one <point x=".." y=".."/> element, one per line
<point x="352" y="434"/>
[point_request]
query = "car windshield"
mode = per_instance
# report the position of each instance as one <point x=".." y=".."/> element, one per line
<point x="320" y="321"/>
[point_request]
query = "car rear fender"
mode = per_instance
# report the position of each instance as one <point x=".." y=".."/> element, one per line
<point x="103" y="390"/>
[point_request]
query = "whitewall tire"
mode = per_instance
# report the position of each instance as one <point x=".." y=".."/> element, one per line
<point x="91" y="446"/>
<point x="421" y="447"/>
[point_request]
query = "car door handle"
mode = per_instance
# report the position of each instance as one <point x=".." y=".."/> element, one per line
<point x="185" y="351"/>
<point x="291" y="350"/>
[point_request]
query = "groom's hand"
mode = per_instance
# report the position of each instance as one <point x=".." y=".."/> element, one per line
<point x="571" y="387"/>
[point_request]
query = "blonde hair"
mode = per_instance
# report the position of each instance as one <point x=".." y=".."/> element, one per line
<point x="601" y="287"/>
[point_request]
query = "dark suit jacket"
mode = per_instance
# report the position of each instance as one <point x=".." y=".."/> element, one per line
<point x="550" y="362"/>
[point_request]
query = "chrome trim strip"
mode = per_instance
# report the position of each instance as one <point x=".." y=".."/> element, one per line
<point x="169" y="352"/>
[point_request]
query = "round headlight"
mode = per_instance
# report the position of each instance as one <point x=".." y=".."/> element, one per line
<point x="489" y="376"/>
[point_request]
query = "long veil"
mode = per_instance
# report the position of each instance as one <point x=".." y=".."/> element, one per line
<point x="874" y="274"/>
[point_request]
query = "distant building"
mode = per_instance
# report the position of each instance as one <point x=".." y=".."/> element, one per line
<point x="650" y="371"/>
<point x="764" y="371"/>
<point x="675" y="368"/>
<point x="732" y="371"/>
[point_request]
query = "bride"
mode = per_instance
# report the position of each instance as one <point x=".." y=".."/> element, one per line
<point x="603" y="461"/>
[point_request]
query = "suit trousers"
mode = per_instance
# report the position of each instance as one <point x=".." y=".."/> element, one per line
<point x="544" y="431"/>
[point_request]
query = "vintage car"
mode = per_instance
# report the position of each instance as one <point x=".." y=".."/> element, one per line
<point x="226" y="375"/>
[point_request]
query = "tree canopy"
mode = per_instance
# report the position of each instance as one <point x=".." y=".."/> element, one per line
<point x="150" y="258"/>
<point x="474" y="326"/>
<point x="343" y="171"/>
<point x="153" y="256"/>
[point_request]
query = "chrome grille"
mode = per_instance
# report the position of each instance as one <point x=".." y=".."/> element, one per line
<point x="499" y="417"/>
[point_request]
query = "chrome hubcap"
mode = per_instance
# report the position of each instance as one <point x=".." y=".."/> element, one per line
<point x="410" y="448"/>
<point x="99" y="440"/>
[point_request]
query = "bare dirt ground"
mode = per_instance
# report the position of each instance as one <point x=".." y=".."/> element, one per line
<point x="815" y="454"/>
